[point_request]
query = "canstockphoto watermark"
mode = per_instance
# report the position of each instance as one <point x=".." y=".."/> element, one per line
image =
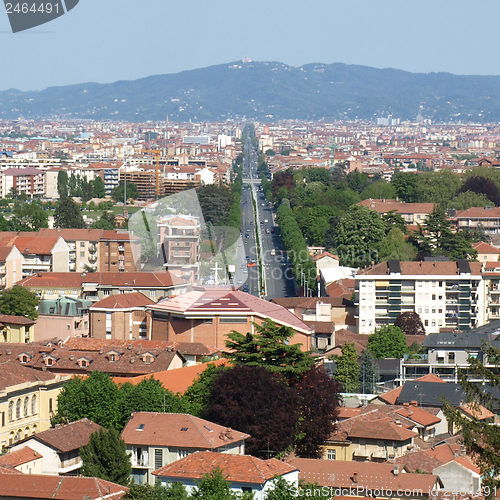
<point x="24" y="15"/>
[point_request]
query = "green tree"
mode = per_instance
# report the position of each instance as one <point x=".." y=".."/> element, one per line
<point x="99" y="189"/>
<point x="173" y="491"/>
<point x="215" y="202"/>
<point x="29" y="216"/>
<point x="106" y="221"/>
<point x="407" y="186"/>
<point x="213" y="486"/>
<point x="437" y="238"/>
<point x="347" y="368"/>
<point x="18" y="301"/>
<point x="62" y="184"/>
<point x="67" y="215"/>
<point x="96" y="397"/>
<point x="269" y="347"/>
<point x="480" y="437"/>
<point x="388" y="342"/>
<point x="358" y="235"/>
<point x="467" y="199"/>
<point x="119" y="192"/>
<point x="148" y="395"/>
<point x="105" y="456"/>
<point x="281" y="490"/>
<point x="368" y="373"/>
<point x="395" y="246"/>
<point x="379" y="190"/>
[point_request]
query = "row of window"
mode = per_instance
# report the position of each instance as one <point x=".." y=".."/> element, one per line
<point x="22" y="409"/>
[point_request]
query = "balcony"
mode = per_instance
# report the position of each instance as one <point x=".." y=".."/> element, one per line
<point x="121" y="248"/>
<point x="379" y="454"/>
<point x="362" y="453"/>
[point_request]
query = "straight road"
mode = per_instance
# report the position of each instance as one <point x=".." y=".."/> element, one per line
<point x="278" y="278"/>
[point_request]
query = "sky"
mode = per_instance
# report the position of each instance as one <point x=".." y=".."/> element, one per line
<point x="109" y="40"/>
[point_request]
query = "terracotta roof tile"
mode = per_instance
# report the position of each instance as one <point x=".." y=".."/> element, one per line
<point x="58" y="487"/>
<point x="68" y="437"/>
<point x="178" y="430"/>
<point x="123" y="301"/>
<point x="19" y="457"/>
<point x="367" y="475"/>
<point x="177" y="380"/>
<point x="236" y="468"/>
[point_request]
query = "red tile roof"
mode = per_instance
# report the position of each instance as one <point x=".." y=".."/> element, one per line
<point x="159" y="279"/>
<point x="483" y="247"/>
<point x="68" y="437"/>
<point x="236" y="468"/>
<point x="478" y="412"/>
<point x="7" y="319"/>
<point x="421" y="268"/>
<point x="123" y="301"/>
<point x="362" y="475"/>
<point x="177" y="380"/>
<point x="19" y="457"/>
<point x="230" y="302"/>
<point x="13" y="373"/>
<point x="58" y="487"/>
<point x="178" y="430"/>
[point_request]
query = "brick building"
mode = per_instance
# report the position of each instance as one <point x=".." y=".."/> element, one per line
<point x="208" y="315"/>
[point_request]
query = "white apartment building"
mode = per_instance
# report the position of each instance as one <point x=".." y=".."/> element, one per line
<point x="444" y="294"/>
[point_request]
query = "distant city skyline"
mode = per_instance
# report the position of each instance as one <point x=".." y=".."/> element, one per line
<point x="106" y="41"/>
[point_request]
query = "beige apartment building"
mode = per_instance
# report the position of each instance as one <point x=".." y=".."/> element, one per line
<point x="28" y="400"/>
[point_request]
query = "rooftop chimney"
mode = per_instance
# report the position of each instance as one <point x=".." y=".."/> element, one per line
<point x="354" y="477"/>
<point x="396" y="470"/>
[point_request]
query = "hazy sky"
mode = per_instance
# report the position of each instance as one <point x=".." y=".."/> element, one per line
<point x="108" y="40"/>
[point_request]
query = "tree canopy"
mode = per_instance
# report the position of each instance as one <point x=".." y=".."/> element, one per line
<point x="258" y="402"/>
<point x="106" y="457"/>
<point x="67" y="215"/>
<point x="347" y="368"/>
<point x="410" y="323"/>
<point x="18" y="301"/>
<point x="388" y="342"/>
<point x="269" y="347"/>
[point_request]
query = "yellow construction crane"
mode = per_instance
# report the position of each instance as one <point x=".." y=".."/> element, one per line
<point x="157" y="153"/>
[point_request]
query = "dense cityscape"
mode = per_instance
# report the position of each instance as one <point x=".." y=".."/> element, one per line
<point x="249" y="310"/>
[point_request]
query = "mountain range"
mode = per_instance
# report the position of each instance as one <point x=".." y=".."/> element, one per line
<point x="268" y="91"/>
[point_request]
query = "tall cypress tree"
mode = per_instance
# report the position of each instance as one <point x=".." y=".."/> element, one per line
<point x="105" y="457"/>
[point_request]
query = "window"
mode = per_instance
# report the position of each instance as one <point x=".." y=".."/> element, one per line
<point x="11" y="411"/>
<point x="82" y="244"/>
<point x="18" y="408"/>
<point x="233" y="320"/>
<point x="26" y="406"/>
<point x="106" y="292"/>
<point x="34" y="405"/>
<point x="50" y="405"/>
<point x="331" y="454"/>
<point x="3" y="419"/>
<point x="451" y="357"/>
<point x="181" y="453"/>
<point x="158" y="458"/>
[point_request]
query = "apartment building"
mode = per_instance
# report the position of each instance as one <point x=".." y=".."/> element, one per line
<point x="119" y="251"/>
<point x="97" y="286"/>
<point x="486" y="219"/>
<point x="120" y="317"/>
<point x="412" y="213"/>
<point x="28" y="399"/>
<point x="40" y="253"/>
<point x="444" y="294"/>
<point x="29" y="181"/>
<point x="83" y="247"/>
<point x="11" y="266"/>
<point x="446" y="353"/>
<point x="179" y="245"/>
